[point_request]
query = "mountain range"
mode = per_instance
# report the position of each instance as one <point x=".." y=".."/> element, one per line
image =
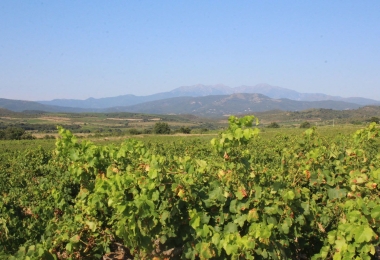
<point x="200" y="100"/>
<point x="205" y="90"/>
<point x="224" y="105"/>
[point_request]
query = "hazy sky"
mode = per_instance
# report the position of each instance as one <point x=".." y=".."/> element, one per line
<point x="81" y="49"/>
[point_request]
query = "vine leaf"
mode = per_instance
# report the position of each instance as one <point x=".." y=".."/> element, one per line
<point x="376" y="213"/>
<point x="230" y="228"/>
<point x="363" y="234"/>
<point x="91" y="225"/>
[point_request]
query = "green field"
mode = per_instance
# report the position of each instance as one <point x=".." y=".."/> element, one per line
<point x="285" y="193"/>
<point x="265" y="133"/>
<point x="41" y="124"/>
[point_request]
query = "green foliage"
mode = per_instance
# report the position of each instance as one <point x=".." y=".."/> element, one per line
<point x="273" y="125"/>
<point x="199" y="130"/>
<point x="356" y="122"/>
<point x="374" y="119"/>
<point x="305" y="125"/>
<point x="184" y="130"/>
<point x="134" y="131"/>
<point x="241" y="198"/>
<point x="42" y="127"/>
<point x="147" y="131"/>
<point x="48" y="137"/>
<point x="14" y="133"/>
<point x="161" y="128"/>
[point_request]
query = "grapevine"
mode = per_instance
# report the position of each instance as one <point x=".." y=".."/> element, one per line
<point x="240" y="197"/>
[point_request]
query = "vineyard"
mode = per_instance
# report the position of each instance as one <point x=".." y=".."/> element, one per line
<point x="238" y="197"/>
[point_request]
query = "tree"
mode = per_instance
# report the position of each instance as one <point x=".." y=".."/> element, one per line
<point x="147" y="131"/>
<point x="14" y="133"/>
<point x="134" y="131"/>
<point x="305" y="125"/>
<point x="273" y="125"/>
<point x="184" y="130"/>
<point x="374" y="119"/>
<point x="161" y="128"/>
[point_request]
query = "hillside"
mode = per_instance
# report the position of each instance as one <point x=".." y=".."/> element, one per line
<point x="6" y="112"/>
<point x="357" y="116"/>
<point x="23" y="105"/>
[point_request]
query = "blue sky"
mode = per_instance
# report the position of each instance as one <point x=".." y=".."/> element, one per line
<point x="81" y="49"/>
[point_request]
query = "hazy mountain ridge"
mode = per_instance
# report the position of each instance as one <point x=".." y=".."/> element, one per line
<point x="200" y="90"/>
<point x="23" y="105"/>
<point x="200" y="100"/>
<point x="221" y="105"/>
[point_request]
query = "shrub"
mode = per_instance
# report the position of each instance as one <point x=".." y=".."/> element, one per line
<point x="147" y="131"/>
<point x="305" y="125"/>
<point x="273" y="125"/>
<point x="27" y="136"/>
<point x="134" y="131"/>
<point x="374" y="120"/>
<point x="184" y="130"/>
<point x="12" y="133"/>
<point x="161" y="128"/>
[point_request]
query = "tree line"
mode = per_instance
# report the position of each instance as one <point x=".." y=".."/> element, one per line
<point x="14" y="133"/>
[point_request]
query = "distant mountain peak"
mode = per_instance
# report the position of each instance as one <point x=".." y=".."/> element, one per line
<point x="233" y="104"/>
<point x="202" y="90"/>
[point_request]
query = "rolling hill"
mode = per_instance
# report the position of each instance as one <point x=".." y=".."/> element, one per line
<point x="22" y="105"/>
